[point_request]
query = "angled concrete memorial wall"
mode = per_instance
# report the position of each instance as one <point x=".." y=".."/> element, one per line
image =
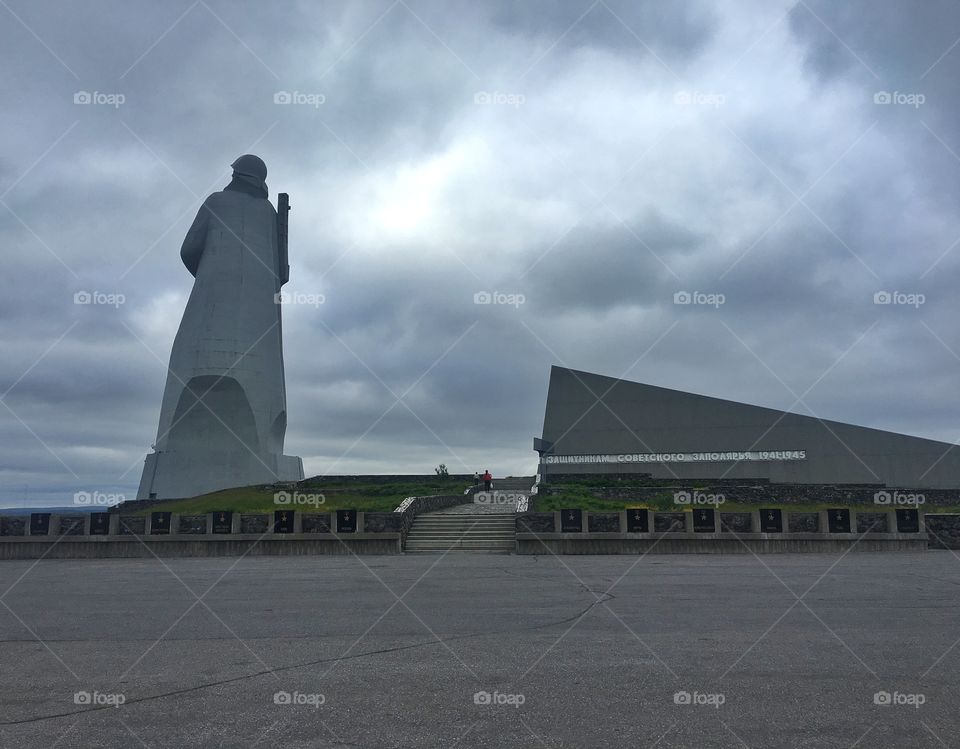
<point x="598" y="424"/>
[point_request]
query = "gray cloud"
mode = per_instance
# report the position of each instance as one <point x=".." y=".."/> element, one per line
<point x="411" y="194"/>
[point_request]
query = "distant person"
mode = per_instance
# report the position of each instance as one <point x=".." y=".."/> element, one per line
<point x="487" y="480"/>
<point x="476" y="478"/>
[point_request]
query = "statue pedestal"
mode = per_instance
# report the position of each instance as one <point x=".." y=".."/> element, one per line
<point x="175" y="475"/>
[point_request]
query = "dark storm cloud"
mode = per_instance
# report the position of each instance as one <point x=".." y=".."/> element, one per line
<point x="454" y="149"/>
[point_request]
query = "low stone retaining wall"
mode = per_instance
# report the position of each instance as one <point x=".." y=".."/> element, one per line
<point x="592" y="543"/>
<point x="635" y="531"/>
<point x="757" y="491"/>
<point x="943" y="530"/>
<point x="284" y="532"/>
<point x="105" y="547"/>
<point x="699" y="531"/>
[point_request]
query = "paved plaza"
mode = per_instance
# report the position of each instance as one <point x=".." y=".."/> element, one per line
<point x="472" y="650"/>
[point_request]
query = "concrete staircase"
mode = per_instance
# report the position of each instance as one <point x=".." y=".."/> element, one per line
<point x="439" y="531"/>
<point x="487" y="527"/>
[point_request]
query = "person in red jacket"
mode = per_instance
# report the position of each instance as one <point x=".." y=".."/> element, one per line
<point x="487" y="480"/>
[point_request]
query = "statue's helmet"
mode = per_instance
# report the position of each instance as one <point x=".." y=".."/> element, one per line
<point x="250" y="166"/>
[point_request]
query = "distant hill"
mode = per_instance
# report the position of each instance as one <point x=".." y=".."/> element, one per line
<point x="68" y="510"/>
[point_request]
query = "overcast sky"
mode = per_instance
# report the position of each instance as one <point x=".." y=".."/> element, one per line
<point x="587" y="160"/>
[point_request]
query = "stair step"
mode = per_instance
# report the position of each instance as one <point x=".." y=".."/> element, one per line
<point x="459" y="543"/>
<point x="449" y="541"/>
<point x="493" y="532"/>
<point x="503" y="550"/>
<point x="468" y="524"/>
<point x="455" y="534"/>
<point x="505" y="522"/>
<point x="462" y="533"/>
<point x="478" y="518"/>
<point x="451" y="547"/>
<point x="463" y="529"/>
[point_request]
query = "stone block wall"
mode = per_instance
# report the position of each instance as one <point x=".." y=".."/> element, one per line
<point x="13" y="526"/>
<point x="603" y="522"/>
<point x="193" y="524"/>
<point x="872" y="522"/>
<point x="943" y="531"/>
<point x="536" y="522"/>
<point x="736" y="522"/>
<point x="643" y="488"/>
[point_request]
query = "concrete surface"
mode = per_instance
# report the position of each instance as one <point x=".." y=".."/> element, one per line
<point x="596" y="646"/>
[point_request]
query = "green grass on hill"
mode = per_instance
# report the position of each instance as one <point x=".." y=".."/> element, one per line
<point x="336" y="496"/>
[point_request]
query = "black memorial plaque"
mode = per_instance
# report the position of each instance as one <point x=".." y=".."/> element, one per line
<point x="838" y="520"/>
<point x="283" y="521"/>
<point x="908" y="521"/>
<point x="159" y="523"/>
<point x="703" y="521"/>
<point x="40" y="524"/>
<point x="346" y="521"/>
<point x="223" y="521"/>
<point x="771" y="520"/>
<point x="99" y="523"/>
<point x="571" y="521"/>
<point x="637" y="521"/>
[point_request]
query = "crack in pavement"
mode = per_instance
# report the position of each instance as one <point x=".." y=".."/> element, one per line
<point x="304" y="664"/>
